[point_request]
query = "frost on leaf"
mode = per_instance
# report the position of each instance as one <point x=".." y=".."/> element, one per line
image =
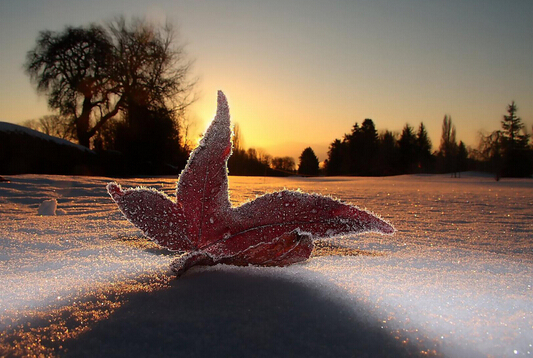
<point x="275" y="229"/>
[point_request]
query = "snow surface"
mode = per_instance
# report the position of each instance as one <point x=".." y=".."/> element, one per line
<point x="49" y="207"/>
<point x="11" y="127"/>
<point x="455" y="280"/>
<point x="275" y="229"/>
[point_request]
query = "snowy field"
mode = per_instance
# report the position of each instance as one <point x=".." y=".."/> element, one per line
<point x="455" y="280"/>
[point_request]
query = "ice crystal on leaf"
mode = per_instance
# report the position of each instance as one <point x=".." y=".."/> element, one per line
<point x="275" y="229"/>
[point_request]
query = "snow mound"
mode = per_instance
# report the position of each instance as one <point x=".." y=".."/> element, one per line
<point x="15" y="128"/>
<point x="49" y="208"/>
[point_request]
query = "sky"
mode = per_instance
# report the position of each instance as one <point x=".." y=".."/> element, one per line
<point x="301" y="73"/>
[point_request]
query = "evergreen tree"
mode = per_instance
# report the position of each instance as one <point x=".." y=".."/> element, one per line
<point x="369" y="147"/>
<point x="308" y="162"/>
<point x="512" y="126"/>
<point x="362" y="146"/>
<point x="387" y="158"/>
<point x="407" y="149"/>
<point x="423" y="149"/>
<point x="517" y="156"/>
<point x="336" y="158"/>
<point x="353" y="146"/>
<point x="462" y="158"/>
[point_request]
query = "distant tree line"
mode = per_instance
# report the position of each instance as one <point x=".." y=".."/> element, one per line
<point x="365" y="152"/>
<point x="255" y="162"/>
<point x="123" y="89"/>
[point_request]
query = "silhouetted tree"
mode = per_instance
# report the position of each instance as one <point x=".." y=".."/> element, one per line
<point x="462" y="158"/>
<point x="388" y="156"/>
<point x="362" y="146"/>
<point x="263" y="157"/>
<point x="517" y="156"/>
<point x="71" y="68"/>
<point x="247" y="162"/>
<point x="423" y="149"/>
<point x="364" y="152"/>
<point x="353" y="149"/>
<point x="448" y="146"/>
<point x="336" y="158"/>
<point x="512" y="126"/>
<point x="309" y="164"/>
<point x="237" y="140"/>
<point x="369" y="138"/>
<point x="150" y="141"/>
<point x="90" y="74"/>
<point x="507" y="150"/>
<point x="407" y="145"/>
<point x="285" y="164"/>
<point x="54" y="125"/>
<point x="490" y="149"/>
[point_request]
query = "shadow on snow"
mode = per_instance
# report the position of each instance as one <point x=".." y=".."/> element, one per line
<point x="219" y="312"/>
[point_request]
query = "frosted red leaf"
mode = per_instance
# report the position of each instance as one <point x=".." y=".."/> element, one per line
<point x="275" y="229"/>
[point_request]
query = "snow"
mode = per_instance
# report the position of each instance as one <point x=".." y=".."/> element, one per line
<point x="276" y="229"/>
<point x="15" y="128"/>
<point x="455" y="280"/>
<point x="49" y="208"/>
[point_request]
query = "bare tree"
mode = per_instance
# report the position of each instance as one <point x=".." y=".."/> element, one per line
<point x="90" y="74"/>
<point x="55" y="125"/>
<point x="238" y="140"/>
<point x="71" y="68"/>
<point x="448" y="145"/>
<point x="285" y="164"/>
<point x="32" y="124"/>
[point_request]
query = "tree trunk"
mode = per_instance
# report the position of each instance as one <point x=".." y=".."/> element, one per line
<point x="84" y="139"/>
<point x="82" y="123"/>
<point x="105" y="118"/>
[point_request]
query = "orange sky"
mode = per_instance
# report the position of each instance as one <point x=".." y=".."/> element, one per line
<point x="300" y="73"/>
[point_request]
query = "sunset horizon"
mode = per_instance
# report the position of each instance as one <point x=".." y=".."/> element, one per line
<point x="281" y="178"/>
<point x="302" y="74"/>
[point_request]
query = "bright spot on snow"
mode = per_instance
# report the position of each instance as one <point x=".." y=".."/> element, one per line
<point x="455" y="280"/>
<point x="48" y="207"/>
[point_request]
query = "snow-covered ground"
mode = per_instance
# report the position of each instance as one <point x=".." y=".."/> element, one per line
<point x="15" y="128"/>
<point x="456" y="280"/>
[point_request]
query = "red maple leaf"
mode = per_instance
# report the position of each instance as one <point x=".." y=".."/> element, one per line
<point x="275" y="229"/>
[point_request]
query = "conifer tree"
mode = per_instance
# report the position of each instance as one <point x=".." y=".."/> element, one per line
<point x="407" y="149"/>
<point x="308" y="162"/>
<point x="512" y="126"/>
<point x="423" y="148"/>
<point x="517" y="156"/>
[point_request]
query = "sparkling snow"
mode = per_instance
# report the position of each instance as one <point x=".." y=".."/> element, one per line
<point x="455" y="280"/>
